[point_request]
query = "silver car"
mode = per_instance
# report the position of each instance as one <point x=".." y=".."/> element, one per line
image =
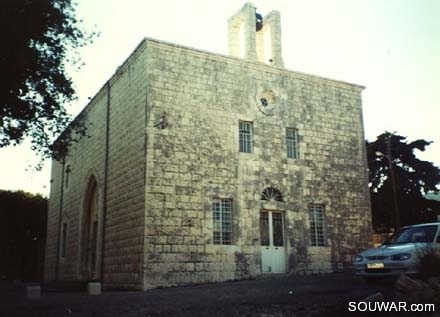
<point x="400" y="253"/>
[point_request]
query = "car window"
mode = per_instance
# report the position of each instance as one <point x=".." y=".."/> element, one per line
<point x="430" y="233"/>
<point x="420" y="234"/>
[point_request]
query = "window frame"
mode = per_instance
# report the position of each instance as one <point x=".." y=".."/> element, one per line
<point x="245" y="137"/>
<point x="222" y="218"/>
<point x="317" y="223"/>
<point x="67" y="180"/>
<point x="292" y="143"/>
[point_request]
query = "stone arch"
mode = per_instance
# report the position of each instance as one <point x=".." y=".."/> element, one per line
<point x="91" y="238"/>
<point x="271" y="193"/>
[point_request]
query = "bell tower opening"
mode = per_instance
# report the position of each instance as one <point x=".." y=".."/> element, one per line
<point x="254" y="37"/>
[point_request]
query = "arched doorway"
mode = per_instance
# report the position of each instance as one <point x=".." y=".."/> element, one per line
<point x="91" y="253"/>
<point x="272" y="237"/>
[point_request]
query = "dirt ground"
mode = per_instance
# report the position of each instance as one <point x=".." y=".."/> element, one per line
<point x="326" y="295"/>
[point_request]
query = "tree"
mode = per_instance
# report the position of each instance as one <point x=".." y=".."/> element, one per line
<point x="399" y="182"/>
<point x="39" y="38"/>
<point x="23" y="219"/>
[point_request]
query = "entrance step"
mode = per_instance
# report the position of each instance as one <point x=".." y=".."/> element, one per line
<point x="65" y="286"/>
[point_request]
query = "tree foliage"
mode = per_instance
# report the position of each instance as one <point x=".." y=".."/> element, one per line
<point x="23" y="219"/>
<point x="40" y="38"/>
<point x="399" y="182"/>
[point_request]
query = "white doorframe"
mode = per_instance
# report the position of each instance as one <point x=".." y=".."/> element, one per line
<point x="272" y="238"/>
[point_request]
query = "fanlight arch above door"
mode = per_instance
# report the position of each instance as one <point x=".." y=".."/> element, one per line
<point x="271" y="194"/>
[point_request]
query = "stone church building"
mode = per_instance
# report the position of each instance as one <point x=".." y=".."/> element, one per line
<point x="199" y="167"/>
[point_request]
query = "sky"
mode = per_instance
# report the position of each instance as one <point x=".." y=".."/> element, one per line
<point x="391" y="47"/>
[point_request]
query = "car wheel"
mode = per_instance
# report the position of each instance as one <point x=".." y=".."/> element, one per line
<point x="429" y="266"/>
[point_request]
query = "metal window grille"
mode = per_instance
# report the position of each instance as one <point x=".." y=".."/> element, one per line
<point x="277" y="223"/>
<point x="317" y="225"/>
<point x="222" y="221"/>
<point x="245" y="136"/>
<point x="292" y="143"/>
<point x="264" y="229"/>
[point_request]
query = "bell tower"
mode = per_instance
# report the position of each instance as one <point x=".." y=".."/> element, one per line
<point x="254" y="37"/>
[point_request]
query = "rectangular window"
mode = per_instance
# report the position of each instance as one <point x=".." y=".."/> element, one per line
<point x="317" y="225"/>
<point x="245" y="136"/>
<point x="222" y="221"/>
<point x="94" y="241"/>
<point x="67" y="171"/>
<point x="64" y="240"/>
<point x="292" y="143"/>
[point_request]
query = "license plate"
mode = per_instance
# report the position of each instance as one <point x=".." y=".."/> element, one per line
<point x="375" y="265"/>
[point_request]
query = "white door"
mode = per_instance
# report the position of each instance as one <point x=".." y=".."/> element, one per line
<point x="273" y="253"/>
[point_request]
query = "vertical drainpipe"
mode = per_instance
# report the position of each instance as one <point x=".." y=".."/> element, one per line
<point x="105" y="190"/>
<point x="60" y="216"/>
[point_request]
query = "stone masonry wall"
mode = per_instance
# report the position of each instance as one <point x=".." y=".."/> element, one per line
<point x="173" y="150"/>
<point x="50" y="254"/>
<point x="126" y="175"/>
<point x="125" y="94"/>
<point x="85" y="160"/>
<point x="194" y="159"/>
